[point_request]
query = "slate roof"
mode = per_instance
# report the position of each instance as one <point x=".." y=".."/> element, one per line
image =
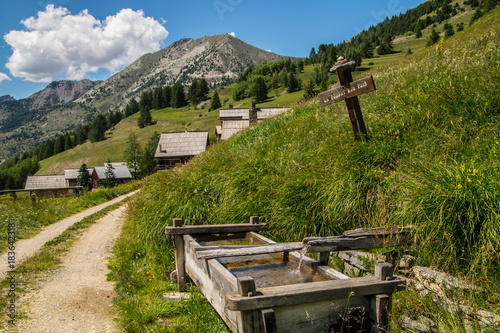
<point x="178" y="144"/>
<point x="45" y="182"/>
<point x="120" y="171"/>
<point x="73" y="173"/>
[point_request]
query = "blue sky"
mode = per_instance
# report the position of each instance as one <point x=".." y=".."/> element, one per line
<point x="74" y="39"/>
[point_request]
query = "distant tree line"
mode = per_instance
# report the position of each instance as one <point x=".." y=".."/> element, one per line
<point x="14" y="171"/>
<point x="257" y="82"/>
<point x="377" y="39"/>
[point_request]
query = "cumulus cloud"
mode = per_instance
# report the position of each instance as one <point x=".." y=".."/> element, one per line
<point x="232" y="34"/>
<point x="57" y="44"/>
<point x="4" y="77"/>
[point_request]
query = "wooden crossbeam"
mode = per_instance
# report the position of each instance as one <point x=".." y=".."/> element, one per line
<point x="249" y="250"/>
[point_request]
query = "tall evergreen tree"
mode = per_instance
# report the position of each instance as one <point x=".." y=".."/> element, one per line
<point x="258" y="89"/>
<point x="84" y="179"/>
<point x="147" y="163"/>
<point x="215" y="102"/>
<point x="433" y="38"/>
<point x="98" y="129"/>
<point x="145" y="118"/>
<point x="110" y="177"/>
<point x="132" y="154"/>
<point x="448" y="30"/>
<point x="178" y="98"/>
<point x="167" y="92"/>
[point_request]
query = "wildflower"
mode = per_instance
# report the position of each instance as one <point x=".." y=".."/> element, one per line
<point x="474" y="171"/>
<point x="459" y="186"/>
<point x="462" y="167"/>
<point x="437" y="186"/>
<point x="468" y="179"/>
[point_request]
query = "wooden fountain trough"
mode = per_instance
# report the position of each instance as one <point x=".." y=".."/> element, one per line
<point x="258" y="285"/>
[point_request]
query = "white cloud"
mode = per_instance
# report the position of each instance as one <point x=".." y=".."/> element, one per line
<point x="4" y="77"/>
<point x="57" y="44"/>
<point x="232" y="34"/>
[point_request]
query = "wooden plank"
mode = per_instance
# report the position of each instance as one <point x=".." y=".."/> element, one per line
<point x="339" y="243"/>
<point x="380" y="308"/>
<point x="269" y="321"/>
<point x="246" y="251"/>
<point x="349" y="90"/>
<point x="312" y="292"/>
<point x="214" y="229"/>
<point x="224" y="247"/>
<point x="381" y="231"/>
<point x="180" y="258"/>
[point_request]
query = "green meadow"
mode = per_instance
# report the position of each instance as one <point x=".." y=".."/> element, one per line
<point x="432" y="160"/>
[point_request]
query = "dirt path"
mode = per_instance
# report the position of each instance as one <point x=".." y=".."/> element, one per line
<point x="28" y="247"/>
<point x="77" y="298"/>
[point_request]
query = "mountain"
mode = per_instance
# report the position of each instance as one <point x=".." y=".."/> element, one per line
<point x="6" y="98"/>
<point x="58" y="92"/>
<point x="64" y="105"/>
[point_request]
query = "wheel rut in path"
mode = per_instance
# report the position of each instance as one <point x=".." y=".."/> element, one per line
<point x="28" y="247"/>
<point x="77" y="297"/>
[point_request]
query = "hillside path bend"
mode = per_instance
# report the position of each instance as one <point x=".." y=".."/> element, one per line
<point x="26" y="248"/>
<point x="77" y="297"/>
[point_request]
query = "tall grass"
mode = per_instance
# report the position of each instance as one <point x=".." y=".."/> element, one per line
<point x="30" y="218"/>
<point x="432" y="161"/>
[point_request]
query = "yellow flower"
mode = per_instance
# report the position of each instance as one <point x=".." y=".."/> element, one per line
<point x="468" y="180"/>
<point x="462" y="167"/>
<point x="459" y="186"/>
<point x="474" y="171"/>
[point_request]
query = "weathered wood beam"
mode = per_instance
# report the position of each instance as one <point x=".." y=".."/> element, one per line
<point x="246" y="251"/>
<point x="379" y="232"/>
<point x="272" y="297"/>
<point x="214" y="229"/>
<point x="359" y="239"/>
<point x="339" y="243"/>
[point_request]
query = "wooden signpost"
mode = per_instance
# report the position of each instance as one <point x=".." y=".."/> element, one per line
<point x="348" y="91"/>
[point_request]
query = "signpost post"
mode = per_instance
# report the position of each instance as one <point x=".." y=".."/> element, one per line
<point x="349" y="91"/>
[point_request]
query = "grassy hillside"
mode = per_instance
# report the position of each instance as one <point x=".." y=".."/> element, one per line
<point x="432" y="161"/>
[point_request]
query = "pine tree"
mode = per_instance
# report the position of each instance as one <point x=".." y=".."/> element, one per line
<point x="132" y="154"/>
<point x="448" y="30"/>
<point x="310" y="90"/>
<point x="258" y="89"/>
<point x="433" y="38"/>
<point x="147" y="164"/>
<point x="167" y="93"/>
<point x="215" y="102"/>
<point x="145" y="118"/>
<point x="98" y="129"/>
<point x="178" y="98"/>
<point x="84" y="179"/>
<point x="110" y="178"/>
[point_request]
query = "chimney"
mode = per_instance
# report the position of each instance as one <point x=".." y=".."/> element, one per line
<point x="252" y="113"/>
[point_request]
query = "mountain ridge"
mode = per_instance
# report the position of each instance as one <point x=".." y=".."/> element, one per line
<point x="64" y="105"/>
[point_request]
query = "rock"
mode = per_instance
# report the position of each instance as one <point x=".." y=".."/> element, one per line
<point x="440" y="283"/>
<point x="416" y="326"/>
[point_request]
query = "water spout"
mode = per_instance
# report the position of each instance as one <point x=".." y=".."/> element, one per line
<point x="302" y="253"/>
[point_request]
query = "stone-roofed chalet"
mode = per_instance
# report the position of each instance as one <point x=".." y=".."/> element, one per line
<point x="236" y="120"/>
<point x="179" y="147"/>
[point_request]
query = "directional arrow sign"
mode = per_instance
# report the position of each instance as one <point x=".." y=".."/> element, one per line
<point x="346" y="91"/>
